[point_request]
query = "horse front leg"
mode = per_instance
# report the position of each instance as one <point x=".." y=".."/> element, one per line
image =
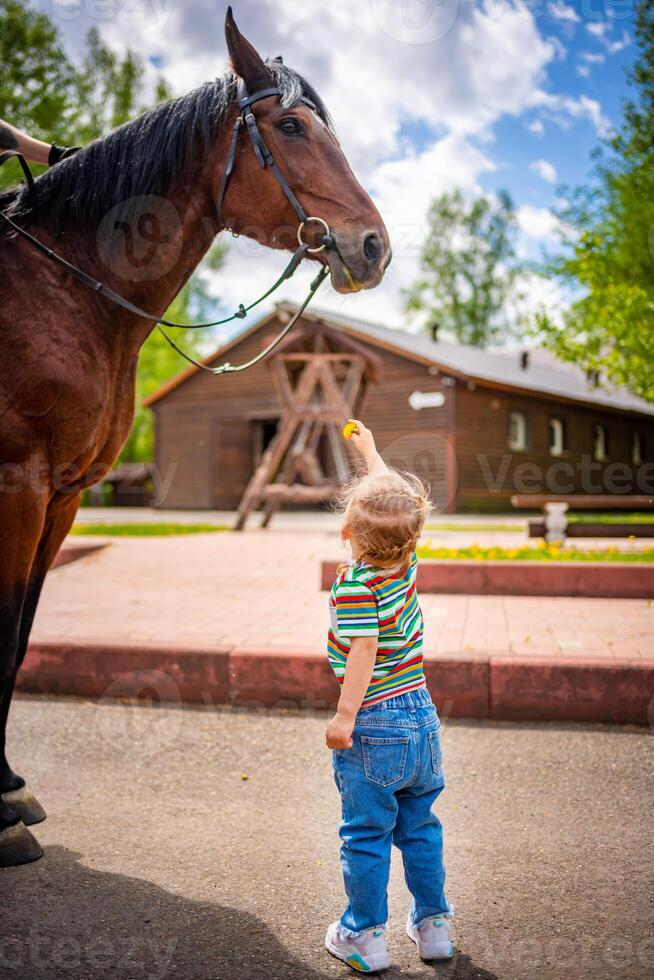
<point x="22" y="521"/>
<point x="59" y="518"/>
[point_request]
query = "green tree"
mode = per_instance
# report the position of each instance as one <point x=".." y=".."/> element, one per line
<point x="608" y="258"/>
<point x="37" y="79"/>
<point x="109" y="89"/>
<point x="468" y="267"/>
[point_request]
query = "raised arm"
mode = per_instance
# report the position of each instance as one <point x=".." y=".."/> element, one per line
<point x="364" y="441"/>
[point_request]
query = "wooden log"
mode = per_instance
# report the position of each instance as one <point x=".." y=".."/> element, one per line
<point x="537" y="530"/>
<point x="537" y="501"/>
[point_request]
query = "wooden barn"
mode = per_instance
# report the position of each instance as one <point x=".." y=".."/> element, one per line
<point x="477" y="426"/>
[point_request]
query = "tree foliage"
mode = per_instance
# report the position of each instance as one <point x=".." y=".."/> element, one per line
<point x="468" y="267"/>
<point x="609" y="258"/>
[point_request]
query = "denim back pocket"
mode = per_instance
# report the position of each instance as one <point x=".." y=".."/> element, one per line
<point x="435" y="750"/>
<point x="384" y="759"/>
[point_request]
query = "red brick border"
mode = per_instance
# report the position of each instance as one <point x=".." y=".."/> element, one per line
<point x="100" y="670"/>
<point x="474" y="687"/>
<point x="606" y="580"/>
<point x="583" y="690"/>
<point x="71" y="552"/>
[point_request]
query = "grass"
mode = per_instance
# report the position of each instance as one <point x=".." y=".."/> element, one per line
<point x="612" y="518"/>
<point x="476" y="528"/>
<point x="543" y="552"/>
<point x="145" y="530"/>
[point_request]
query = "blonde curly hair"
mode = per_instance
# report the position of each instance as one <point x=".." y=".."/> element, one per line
<point x="385" y="512"/>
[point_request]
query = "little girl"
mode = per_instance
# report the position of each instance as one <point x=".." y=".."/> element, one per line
<point x="385" y="733"/>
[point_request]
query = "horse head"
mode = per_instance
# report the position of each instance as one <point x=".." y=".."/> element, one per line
<point x="297" y="133"/>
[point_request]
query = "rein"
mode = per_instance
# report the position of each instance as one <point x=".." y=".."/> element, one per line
<point x="245" y="121"/>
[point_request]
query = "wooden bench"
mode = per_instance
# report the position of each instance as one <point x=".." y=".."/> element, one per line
<point x="554" y="524"/>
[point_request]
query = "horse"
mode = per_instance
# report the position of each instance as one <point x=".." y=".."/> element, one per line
<point x="67" y="374"/>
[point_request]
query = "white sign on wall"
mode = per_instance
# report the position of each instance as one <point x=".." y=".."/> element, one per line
<point x="426" y="399"/>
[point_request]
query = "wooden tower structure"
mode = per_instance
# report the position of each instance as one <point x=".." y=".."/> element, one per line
<point x="320" y="377"/>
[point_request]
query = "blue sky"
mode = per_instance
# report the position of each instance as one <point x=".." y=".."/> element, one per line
<point x="586" y="67"/>
<point x="427" y="95"/>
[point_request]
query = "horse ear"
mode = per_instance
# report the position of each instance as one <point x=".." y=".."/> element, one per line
<point x="246" y="60"/>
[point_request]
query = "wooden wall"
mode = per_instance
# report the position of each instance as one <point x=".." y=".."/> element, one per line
<point x="206" y="436"/>
<point x="489" y="471"/>
<point x="204" y="431"/>
<point x="205" y="428"/>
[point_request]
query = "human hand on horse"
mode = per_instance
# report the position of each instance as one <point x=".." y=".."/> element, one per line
<point x="36" y="151"/>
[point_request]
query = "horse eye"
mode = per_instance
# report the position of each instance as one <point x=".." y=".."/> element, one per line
<point x="291" y="127"/>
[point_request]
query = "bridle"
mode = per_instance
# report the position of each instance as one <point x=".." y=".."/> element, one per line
<point x="245" y="121"/>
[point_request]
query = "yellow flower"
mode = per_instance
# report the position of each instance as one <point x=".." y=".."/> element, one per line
<point x="349" y="429"/>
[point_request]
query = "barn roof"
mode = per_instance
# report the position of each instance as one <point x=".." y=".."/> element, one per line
<point x="544" y="373"/>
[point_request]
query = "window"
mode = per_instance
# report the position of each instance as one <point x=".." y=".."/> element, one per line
<point x="517" y="431"/>
<point x="600" y="443"/>
<point x="558" y="437"/>
<point x="638" y="448"/>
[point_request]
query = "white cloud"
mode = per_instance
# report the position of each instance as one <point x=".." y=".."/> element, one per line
<point x="593" y="58"/>
<point x="539" y="224"/>
<point x="583" y="70"/>
<point x="545" y="170"/>
<point x="564" y="109"/>
<point x="614" y="47"/>
<point x="560" y="50"/>
<point x="598" y="28"/>
<point x="563" y="11"/>
<point x="536" y="127"/>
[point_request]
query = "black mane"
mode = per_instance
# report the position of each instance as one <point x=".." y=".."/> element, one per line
<point x="144" y="156"/>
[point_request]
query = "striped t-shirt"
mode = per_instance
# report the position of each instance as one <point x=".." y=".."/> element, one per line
<point x="369" y="601"/>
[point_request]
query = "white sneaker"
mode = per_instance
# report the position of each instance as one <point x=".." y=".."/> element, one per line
<point x="433" y="937"/>
<point x="365" y="952"/>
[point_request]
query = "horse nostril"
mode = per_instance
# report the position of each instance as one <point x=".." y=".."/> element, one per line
<point x="373" y="247"/>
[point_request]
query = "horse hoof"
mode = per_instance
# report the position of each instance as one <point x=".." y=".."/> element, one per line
<point x="25" y="804"/>
<point x="18" y="846"/>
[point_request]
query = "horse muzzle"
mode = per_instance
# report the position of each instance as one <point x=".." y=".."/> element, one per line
<point x="358" y="263"/>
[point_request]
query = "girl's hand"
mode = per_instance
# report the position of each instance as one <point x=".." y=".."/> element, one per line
<point x="339" y="733"/>
<point x="363" y="440"/>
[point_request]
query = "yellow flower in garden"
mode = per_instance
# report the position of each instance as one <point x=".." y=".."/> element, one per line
<point x="349" y="429"/>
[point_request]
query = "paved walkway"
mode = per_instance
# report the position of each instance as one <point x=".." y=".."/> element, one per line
<point x="262" y="589"/>
<point x="162" y="862"/>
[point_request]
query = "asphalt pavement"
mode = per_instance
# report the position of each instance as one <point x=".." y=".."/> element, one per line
<point x="201" y="842"/>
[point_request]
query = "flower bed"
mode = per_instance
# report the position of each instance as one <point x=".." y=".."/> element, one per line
<point x="544" y="552"/>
